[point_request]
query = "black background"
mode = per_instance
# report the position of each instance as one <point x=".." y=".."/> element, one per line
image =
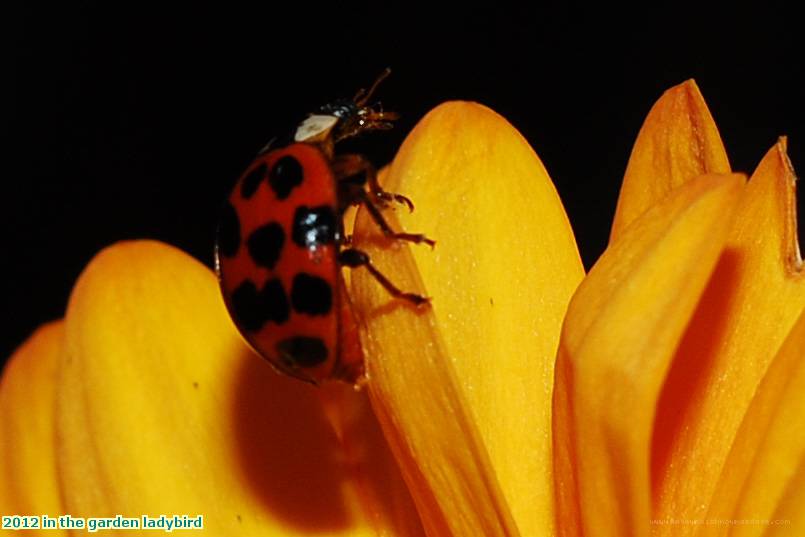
<point x="132" y="122"/>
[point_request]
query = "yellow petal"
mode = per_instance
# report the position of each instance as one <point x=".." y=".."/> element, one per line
<point x="764" y="469"/>
<point x="748" y="308"/>
<point x="621" y="330"/>
<point x="678" y="141"/>
<point x="467" y="384"/>
<point x="374" y="472"/>
<point x="787" y="519"/>
<point x="164" y="410"/>
<point x="28" y="484"/>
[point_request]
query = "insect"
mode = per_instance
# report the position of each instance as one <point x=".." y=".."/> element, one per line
<point x="281" y="243"/>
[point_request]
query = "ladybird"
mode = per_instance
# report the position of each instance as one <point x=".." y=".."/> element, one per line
<point x="280" y="244"/>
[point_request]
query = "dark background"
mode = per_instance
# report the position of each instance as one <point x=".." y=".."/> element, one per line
<point x="132" y="122"/>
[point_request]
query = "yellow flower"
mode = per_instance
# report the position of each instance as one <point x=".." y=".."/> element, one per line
<point x="660" y="394"/>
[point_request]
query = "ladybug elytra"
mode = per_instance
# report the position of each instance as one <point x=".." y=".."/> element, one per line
<point x="281" y="244"/>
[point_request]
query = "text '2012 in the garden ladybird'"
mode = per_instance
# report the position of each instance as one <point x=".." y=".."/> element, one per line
<point x="281" y="243"/>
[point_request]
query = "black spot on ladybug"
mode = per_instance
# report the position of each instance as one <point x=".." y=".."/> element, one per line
<point x="228" y="231"/>
<point x="303" y="351"/>
<point x="314" y="226"/>
<point x="275" y="302"/>
<point x="286" y="175"/>
<point x="265" y="244"/>
<point x="246" y="306"/>
<point x="253" y="308"/>
<point x="250" y="183"/>
<point x="311" y="295"/>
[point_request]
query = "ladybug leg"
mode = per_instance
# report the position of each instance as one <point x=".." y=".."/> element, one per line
<point x="353" y="258"/>
<point x="377" y="190"/>
<point x="356" y="170"/>
<point x="377" y="216"/>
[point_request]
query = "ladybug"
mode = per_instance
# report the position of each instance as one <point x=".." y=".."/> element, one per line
<point x="280" y="244"/>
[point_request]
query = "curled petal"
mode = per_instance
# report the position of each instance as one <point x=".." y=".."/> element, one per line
<point x="749" y="306"/>
<point x="621" y="330"/>
<point x="764" y="473"/>
<point x="28" y="484"/>
<point x="678" y="141"/>
<point x="163" y="409"/>
<point x="463" y="388"/>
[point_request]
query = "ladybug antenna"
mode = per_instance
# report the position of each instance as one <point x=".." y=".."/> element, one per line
<point x="363" y="96"/>
<point x="356" y="117"/>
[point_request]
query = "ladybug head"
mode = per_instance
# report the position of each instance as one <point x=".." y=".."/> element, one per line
<point x="346" y="118"/>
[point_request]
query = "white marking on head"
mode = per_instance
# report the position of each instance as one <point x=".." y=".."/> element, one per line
<point x="315" y="128"/>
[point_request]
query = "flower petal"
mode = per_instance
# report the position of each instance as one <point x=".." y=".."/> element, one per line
<point x="373" y="469"/>
<point x="28" y="484"/>
<point x="765" y="466"/>
<point x="467" y="383"/>
<point x="163" y="409"/>
<point x="620" y="332"/>
<point x="750" y="305"/>
<point x="678" y="141"/>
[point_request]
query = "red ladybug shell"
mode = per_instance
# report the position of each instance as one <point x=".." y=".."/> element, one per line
<point x="276" y="258"/>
